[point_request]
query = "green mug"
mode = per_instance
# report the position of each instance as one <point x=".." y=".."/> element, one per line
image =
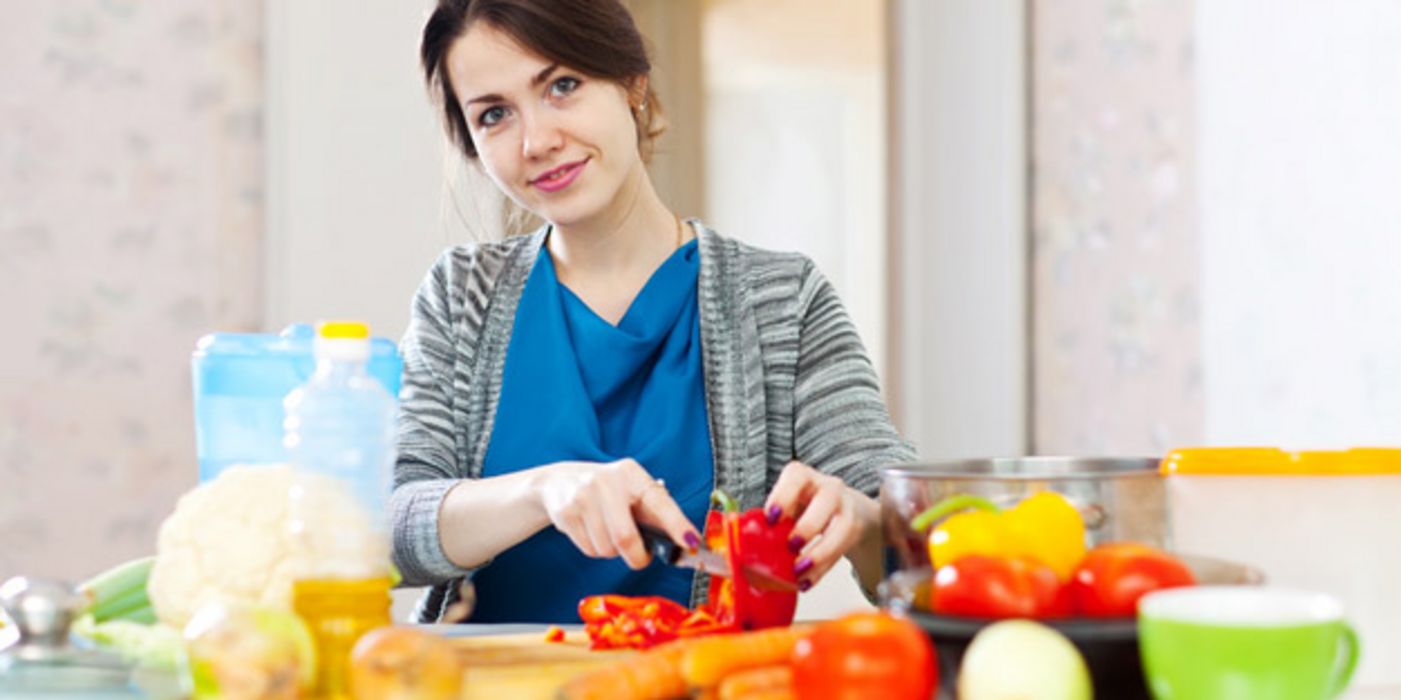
<point x="1245" y="642"/>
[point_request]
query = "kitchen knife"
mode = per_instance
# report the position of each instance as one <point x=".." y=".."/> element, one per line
<point x="660" y="546"/>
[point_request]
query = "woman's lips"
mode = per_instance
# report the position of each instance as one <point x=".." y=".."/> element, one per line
<point x="561" y="177"/>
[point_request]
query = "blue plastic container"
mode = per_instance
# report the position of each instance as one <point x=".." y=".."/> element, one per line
<point x="240" y="380"/>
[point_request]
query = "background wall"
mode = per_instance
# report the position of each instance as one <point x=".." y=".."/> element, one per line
<point x="1300" y="162"/>
<point x="130" y="224"/>
<point x="363" y="193"/>
<point x="958" y="204"/>
<point x="1215" y="230"/>
<point x="1116" y="307"/>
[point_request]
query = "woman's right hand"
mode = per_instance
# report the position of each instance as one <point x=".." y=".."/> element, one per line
<point x="598" y="505"/>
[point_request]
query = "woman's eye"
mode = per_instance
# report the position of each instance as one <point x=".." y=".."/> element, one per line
<point x="490" y="116"/>
<point x="563" y="86"/>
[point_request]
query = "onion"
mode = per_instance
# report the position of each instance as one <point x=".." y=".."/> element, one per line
<point x="1022" y="660"/>
<point x="236" y="652"/>
<point x="403" y="663"/>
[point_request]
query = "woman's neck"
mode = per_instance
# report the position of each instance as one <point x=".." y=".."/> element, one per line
<point x="631" y="238"/>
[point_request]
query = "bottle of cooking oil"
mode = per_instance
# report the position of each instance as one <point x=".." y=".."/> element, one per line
<point x="340" y="439"/>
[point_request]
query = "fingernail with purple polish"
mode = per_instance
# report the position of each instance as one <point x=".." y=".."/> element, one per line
<point x="802" y="567"/>
<point x="773" y="514"/>
<point x="693" y="540"/>
<point x="804" y="585"/>
<point x="795" y="544"/>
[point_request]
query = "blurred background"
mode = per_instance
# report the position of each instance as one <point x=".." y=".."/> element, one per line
<point x="1095" y="227"/>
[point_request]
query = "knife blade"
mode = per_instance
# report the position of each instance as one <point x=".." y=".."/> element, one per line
<point x="660" y="546"/>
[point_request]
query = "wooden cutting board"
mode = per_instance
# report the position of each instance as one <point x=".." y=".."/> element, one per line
<point x="525" y="666"/>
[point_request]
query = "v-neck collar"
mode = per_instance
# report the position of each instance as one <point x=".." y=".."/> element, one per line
<point x="635" y="319"/>
<point x="628" y="321"/>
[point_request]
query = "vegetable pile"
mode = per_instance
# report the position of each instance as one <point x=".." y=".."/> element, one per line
<point x="1031" y="561"/>
<point x="216" y="599"/>
<point x="746" y="539"/>
<point x="862" y="655"/>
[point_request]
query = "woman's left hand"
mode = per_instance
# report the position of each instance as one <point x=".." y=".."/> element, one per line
<point x="831" y="518"/>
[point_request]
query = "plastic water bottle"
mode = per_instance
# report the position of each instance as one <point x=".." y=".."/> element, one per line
<point x="340" y="440"/>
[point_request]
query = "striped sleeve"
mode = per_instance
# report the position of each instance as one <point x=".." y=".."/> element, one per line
<point x="841" y="425"/>
<point x="427" y="465"/>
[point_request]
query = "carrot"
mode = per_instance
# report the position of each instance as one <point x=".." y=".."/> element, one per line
<point x="710" y="659"/>
<point x="779" y="694"/>
<point x="763" y="682"/>
<point x="783" y="693"/>
<point x="654" y="674"/>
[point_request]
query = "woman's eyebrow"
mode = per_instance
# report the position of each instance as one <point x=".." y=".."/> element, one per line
<point x="543" y="75"/>
<point x="539" y="78"/>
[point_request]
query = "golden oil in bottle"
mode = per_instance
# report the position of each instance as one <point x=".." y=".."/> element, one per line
<point x="339" y="612"/>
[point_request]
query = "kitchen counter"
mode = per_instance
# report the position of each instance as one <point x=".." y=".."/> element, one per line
<point x="515" y="661"/>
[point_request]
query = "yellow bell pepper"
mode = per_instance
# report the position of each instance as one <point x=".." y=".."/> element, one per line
<point x="1048" y="528"/>
<point x="1045" y="527"/>
<point x="971" y="532"/>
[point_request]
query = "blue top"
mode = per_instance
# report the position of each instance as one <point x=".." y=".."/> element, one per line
<point x="578" y="388"/>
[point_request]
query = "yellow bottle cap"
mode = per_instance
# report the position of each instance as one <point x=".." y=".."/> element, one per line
<point x="354" y="330"/>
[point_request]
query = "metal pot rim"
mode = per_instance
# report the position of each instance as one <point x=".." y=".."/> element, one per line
<point x="1030" y="468"/>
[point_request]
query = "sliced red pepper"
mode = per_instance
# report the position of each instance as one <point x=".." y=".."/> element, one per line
<point x="615" y="621"/>
<point x="748" y="541"/>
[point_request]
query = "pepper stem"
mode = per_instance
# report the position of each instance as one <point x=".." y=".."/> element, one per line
<point x="724" y="502"/>
<point x="949" y="506"/>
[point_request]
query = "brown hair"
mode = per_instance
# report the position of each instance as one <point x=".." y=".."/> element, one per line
<point x="596" y="37"/>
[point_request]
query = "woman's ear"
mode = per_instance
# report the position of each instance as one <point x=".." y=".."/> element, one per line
<point x="637" y="92"/>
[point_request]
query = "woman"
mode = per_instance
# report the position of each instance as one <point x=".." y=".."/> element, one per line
<point x="618" y="364"/>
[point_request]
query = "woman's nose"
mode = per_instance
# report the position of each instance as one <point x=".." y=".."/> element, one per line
<point x="540" y="136"/>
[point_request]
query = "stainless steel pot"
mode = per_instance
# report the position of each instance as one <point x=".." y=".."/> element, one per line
<point x="1120" y="498"/>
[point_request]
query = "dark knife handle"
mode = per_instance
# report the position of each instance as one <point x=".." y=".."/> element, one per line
<point x="659" y="545"/>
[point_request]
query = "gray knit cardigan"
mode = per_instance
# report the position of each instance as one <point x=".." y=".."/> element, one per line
<point x="786" y="377"/>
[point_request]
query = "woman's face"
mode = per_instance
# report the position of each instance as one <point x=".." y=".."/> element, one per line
<point x="559" y="143"/>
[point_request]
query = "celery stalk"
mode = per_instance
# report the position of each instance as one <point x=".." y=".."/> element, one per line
<point x="119" y="589"/>
<point x="104" y="609"/>
<point x="152" y="646"/>
<point x="145" y="615"/>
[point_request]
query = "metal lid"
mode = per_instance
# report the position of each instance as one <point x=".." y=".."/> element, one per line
<point x="39" y="657"/>
<point x="1031" y="468"/>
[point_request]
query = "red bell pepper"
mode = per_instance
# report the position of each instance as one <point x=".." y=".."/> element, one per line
<point x="747" y="540"/>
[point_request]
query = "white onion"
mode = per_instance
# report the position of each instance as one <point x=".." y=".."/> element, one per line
<point x="1023" y="660"/>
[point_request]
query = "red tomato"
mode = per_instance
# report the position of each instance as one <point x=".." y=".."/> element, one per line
<point x="865" y="655"/>
<point x="980" y="586"/>
<point x="1112" y="577"/>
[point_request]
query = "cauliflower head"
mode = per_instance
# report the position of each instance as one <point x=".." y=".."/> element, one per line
<point x="235" y="540"/>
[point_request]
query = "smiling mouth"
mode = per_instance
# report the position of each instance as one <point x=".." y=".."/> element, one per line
<point x="559" y="177"/>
